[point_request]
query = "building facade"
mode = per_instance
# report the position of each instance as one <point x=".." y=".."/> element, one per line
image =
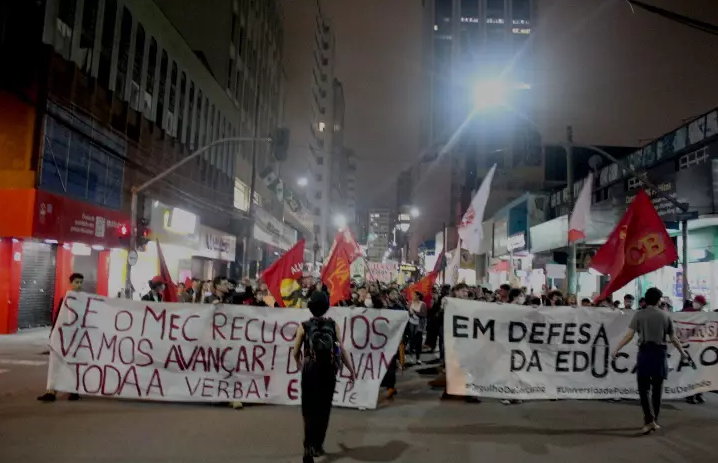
<point x="380" y="234"/>
<point x="98" y="97"/>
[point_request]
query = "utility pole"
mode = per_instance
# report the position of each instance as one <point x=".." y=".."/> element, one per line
<point x="572" y="286"/>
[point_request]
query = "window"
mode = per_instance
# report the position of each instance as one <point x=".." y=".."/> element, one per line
<point x="198" y="120"/>
<point x="150" y="78"/>
<point x="180" y="112"/>
<point x="87" y="37"/>
<point x="230" y="75"/>
<point x="64" y="27"/>
<point x="257" y="199"/>
<point x="241" y="195"/>
<point x="691" y="159"/>
<point x="137" y="67"/>
<point x="190" y="113"/>
<point x="321" y="126"/>
<point x="318" y="195"/>
<point x="320" y="160"/>
<point x="123" y="53"/>
<point x="521" y="9"/>
<point x="319" y="177"/>
<point x="161" y="89"/>
<point x="107" y="42"/>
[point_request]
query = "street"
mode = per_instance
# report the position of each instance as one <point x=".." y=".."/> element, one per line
<point x="417" y="427"/>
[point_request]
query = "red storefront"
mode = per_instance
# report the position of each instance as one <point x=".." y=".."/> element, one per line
<point x="44" y="238"/>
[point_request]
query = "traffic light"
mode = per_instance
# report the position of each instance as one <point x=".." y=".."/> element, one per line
<point x="280" y="143"/>
<point x="143" y="233"/>
<point x="124" y="235"/>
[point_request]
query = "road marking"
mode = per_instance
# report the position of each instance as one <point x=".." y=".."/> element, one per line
<point x="27" y="363"/>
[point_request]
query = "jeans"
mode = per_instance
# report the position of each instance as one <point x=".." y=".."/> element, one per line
<point x="416" y="338"/>
<point x="654" y="385"/>
<point x="317" y="395"/>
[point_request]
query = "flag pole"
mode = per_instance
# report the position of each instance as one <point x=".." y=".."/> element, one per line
<point x="571" y="287"/>
<point x="443" y="248"/>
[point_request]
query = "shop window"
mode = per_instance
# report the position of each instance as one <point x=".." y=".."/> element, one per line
<point x="64" y="27"/>
<point x="137" y="67"/>
<point x="180" y="112"/>
<point x="692" y="159"/>
<point x="161" y="90"/>
<point x="123" y="56"/>
<point x="190" y="113"/>
<point x="87" y="36"/>
<point x="150" y="78"/>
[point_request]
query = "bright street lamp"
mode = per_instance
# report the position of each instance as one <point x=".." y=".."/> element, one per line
<point x="303" y="181"/>
<point x="489" y="94"/>
<point x="414" y="212"/>
<point x="340" y="221"/>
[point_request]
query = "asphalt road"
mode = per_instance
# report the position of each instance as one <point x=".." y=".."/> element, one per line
<point x="417" y="427"/>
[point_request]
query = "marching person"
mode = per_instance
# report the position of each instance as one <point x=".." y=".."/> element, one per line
<point x="157" y="286"/>
<point x="193" y="295"/>
<point x="318" y="350"/>
<point x="696" y="306"/>
<point x="653" y="327"/>
<point x="417" y="324"/>
<point x="76" y="280"/>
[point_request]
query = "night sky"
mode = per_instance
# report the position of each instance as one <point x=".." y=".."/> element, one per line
<point x="618" y="77"/>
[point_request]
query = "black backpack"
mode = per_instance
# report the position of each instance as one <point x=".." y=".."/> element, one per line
<point x="321" y="339"/>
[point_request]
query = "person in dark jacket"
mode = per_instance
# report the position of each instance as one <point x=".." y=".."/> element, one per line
<point x="194" y="294"/>
<point x="157" y="287"/>
<point x="76" y="280"/>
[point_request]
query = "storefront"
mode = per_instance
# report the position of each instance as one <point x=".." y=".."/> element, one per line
<point x="44" y="239"/>
<point x="272" y="238"/>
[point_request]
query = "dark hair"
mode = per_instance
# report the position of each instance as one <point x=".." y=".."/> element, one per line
<point x="585" y="299"/>
<point x="318" y="303"/>
<point x="232" y="281"/>
<point x="196" y="280"/>
<point x="513" y="294"/>
<point x="218" y="280"/>
<point x="555" y="293"/>
<point x="629" y="296"/>
<point x="642" y="301"/>
<point x="461" y="286"/>
<point x="76" y="276"/>
<point x="505" y="287"/>
<point x="653" y="296"/>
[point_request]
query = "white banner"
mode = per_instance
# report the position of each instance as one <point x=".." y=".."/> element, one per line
<point x="384" y="272"/>
<point x="214" y="353"/>
<point x="518" y="352"/>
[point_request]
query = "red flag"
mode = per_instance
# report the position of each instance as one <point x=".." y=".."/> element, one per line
<point x="638" y="245"/>
<point x="170" y="292"/>
<point x="425" y="286"/>
<point x="336" y="275"/>
<point x="282" y="277"/>
<point x="440" y="263"/>
<point x="346" y="238"/>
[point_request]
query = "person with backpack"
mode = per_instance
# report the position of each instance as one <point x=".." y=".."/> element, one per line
<point x="318" y="350"/>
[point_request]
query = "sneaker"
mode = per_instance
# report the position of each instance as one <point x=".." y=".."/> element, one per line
<point x="691" y="400"/>
<point x="73" y="397"/>
<point x="655" y="426"/>
<point x="505" y="402"/>
<point x="320" y="452"/>
<point x="516" y="402"/>
<point x="236" y="405"/>
<point x="47" y="397"/>
<point x="418" y="362"/>
<point x="700" y="400"/>
<point x="647" y="429"/>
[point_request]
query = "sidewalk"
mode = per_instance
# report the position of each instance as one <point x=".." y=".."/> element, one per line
<point x="24" y="340"/>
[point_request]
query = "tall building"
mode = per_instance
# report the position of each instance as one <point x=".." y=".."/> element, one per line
<point x="315" y="113"/>
<point x="100" y="96"/>
<point x="351" y="187"/>
<point x="473" y="48"/>
<point x="380" y="234"/>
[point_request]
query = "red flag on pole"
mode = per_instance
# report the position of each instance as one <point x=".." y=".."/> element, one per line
<point x="425" y="286"/>
<point x="336" y="275"/>
<point x="282" y="276"/>
<point x="170" y="292"/>
<point x="638" y="245"/>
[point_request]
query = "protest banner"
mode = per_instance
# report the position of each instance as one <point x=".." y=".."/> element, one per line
<point x="520" y="352"/>
<point x="383" y="272"/>
<point x="188" y="352"/>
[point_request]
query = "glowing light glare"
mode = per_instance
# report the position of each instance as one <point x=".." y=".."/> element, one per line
<point x="303" y="181"/>
<point x="414" y="212"/>
<point x="489" y="94"/>
<point x="340" y="221"/>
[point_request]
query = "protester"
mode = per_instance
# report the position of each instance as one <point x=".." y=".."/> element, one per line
<point x="318" y="350"/>
<point x="157" y="286"/>
<point x="586" y="302"/>
<point x="219" y="295"/>
<point x="193" y="295"/>
<point x="628" y="300"/>
<point x="653" y="327"/>
<point x="699" y="303"/>
<point x="417" y="324"/>
<point x="76" y="281"/>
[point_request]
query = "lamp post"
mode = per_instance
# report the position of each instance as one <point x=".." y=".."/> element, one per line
<point x="138" y="189"/>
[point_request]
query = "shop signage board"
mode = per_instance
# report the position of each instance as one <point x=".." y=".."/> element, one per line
<point x="531" y="353"/>
<point x="516" y="242"/>
<point x="68" y="220"/>
<point x="119" y="348"/>
<point x="215" y="244"/>
<point x="270" y="230"/>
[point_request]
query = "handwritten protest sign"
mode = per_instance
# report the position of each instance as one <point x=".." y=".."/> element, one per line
<point x="384" y="272"/>
<point x="520" y="352"/>
<point x="189" y="352"/>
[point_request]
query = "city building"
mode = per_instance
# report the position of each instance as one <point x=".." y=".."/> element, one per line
<point x="98" y="97"/>
<point x="351" y="188"/>
<point x="532" y="230"/>
<point x="380" y="234"/>
<point x="314" y="113"/>
<point x="478" y="57"/>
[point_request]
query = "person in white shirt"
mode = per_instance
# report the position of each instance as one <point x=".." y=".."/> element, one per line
<point x="417" y="324"/>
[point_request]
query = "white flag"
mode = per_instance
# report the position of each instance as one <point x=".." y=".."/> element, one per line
<point x="581" y="210"/>
<point x="470" y="229"/>
<point x="452" y="270"/>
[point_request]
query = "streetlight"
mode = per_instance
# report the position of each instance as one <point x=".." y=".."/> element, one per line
<point x="489" y="94"/>
<point x="303" y="181"/>
<point x="340" y="221"/>
<point x="414" y="212"/>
